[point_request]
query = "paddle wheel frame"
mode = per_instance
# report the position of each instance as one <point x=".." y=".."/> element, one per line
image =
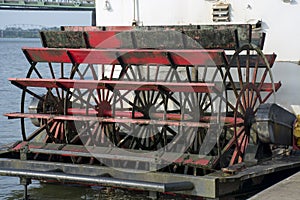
<point x="178" y="101"/>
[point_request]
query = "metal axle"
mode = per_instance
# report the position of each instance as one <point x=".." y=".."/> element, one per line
<point x="104" y="181"/>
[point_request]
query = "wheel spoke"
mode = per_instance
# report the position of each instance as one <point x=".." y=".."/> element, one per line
<point x="37" y="73"/>
<point x="53" y="76"/>
<point x="248" y="67"/>
<point x="248" y="96"/>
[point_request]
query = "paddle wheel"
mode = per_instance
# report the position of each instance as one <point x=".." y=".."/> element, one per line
<point x="175" y="100"/>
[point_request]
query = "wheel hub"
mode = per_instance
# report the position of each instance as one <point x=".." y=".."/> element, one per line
<point x="148" y="110"/>
<point x="248" y="120"/>
<point x="103" y="108"/>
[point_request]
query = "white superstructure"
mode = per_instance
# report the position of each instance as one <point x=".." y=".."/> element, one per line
<point x="280" y="18"/>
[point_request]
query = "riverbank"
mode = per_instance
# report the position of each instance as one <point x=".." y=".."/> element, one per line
<point x="12" y="32"/>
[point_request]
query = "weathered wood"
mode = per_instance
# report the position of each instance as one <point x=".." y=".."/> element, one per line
<point x="63" y="39"/>
<point x="210" y="39"/>
<point x="169" y="37"/>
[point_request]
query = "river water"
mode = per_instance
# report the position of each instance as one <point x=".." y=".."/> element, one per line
<point x="14" y="64"/>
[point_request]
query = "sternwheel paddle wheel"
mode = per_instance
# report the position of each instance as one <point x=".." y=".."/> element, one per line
<point x="140" y="104"/>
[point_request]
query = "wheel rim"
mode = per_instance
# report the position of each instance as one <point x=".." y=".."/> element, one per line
<point x="48" y="99"/>
<point x="248" y="73"/>
<point x="93" y="102"/>
<point x="153" y="105"/>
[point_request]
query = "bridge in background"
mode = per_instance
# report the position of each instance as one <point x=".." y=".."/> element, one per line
<point x="88" y="5"/>
<point x="59" y="5"/>
<point x="23" y="26"/>
<point x="23" y="30"/>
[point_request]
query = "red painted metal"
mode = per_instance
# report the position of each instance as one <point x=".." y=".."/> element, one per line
<point x="100" y="113"/>
<point x="158" y="122"/>
<point x="133" y="56"/>
<point x="139" y="90"/>
<point x="104" y="39"/>
<point x="46" y="55"/>
<point x="128" y="56"/>
<point x="78" y="114"/>
<point x="105" y="113"/>
<point x="157" y="115"/>
<point x="198" y="162"/>
<point x="268" y="87"/>
<point x="24" y="144"/>
<point x="118" y="85"/>
<point x="143" y="56"/>
<point x="201" y="162"/>
<point x="228" y="121"/>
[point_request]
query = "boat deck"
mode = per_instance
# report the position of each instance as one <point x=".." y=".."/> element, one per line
<point x="287" y="189"/>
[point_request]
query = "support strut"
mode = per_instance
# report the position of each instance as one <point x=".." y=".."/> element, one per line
<point x="25" y="182"/>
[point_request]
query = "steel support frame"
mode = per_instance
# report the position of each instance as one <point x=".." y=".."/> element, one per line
<point x="211" y="186"/>
<point x="160" y="182"/>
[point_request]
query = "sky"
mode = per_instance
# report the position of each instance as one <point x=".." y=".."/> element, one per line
<point x="45" y="18"/>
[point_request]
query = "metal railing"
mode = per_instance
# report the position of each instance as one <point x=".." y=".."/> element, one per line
<point x="48" y="4"/>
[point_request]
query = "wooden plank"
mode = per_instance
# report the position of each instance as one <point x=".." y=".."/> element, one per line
<point x="253" y="60"/>
<point x="158" y="122"/>
<point x="258" y="39"/>
<point x="185" y="57"/>
<point x="118" y="85"/>
<point x="163" y="39"/>
<point x="63" y="39"/>
<point x="210" y="39"/>
<point x="265" y="87"/>
<point x="197" y="36"/>
<point x="145" y="56"/>
<point x="268" y="87"/>
<point x="46" y="55"/>
<point x="158" y="39"/>
<point x="243" y="33"/>
<point x="93" y="56"/>
<point x="80" y="28"/>
<point x="109" y="39"/>
<point x="118" y="28"/>
<point x="205" y="57"/>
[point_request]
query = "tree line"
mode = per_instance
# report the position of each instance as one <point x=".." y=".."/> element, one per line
<point x="16" y="32"/>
